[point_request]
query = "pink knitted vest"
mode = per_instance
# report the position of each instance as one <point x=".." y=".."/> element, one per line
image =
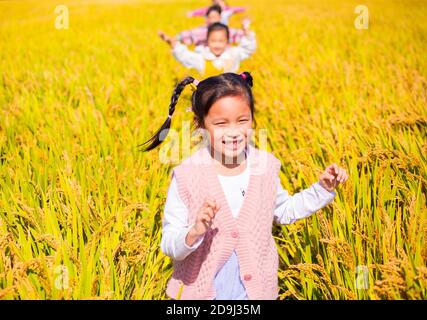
<point x="250" y="234"/>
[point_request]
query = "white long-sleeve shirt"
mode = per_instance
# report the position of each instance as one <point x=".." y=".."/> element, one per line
<point x="288" y="209"/>
<point x="228" y="61"/>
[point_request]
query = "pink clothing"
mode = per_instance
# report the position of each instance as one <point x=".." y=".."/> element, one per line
<point x="249" y="235"/>
<point x="202" y="11"/>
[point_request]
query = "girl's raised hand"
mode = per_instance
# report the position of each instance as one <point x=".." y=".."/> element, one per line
<point x="332" y="177"/>
<point x="167" y="39"/>
<point x="246" y="23"/>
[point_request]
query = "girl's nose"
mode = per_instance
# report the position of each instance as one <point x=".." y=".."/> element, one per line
<point x="233" y="132"/>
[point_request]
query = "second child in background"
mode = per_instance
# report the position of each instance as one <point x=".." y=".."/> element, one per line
<point x="226" y="13"/>
<point x="217" y="56"/>
<point x="198" y="36"/>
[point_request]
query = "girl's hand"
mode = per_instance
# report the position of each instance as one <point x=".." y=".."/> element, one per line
<point x="332" y="177"/>
<point x="170" y="41"/>
<point x="246" y="23"/>
<point x="205" y="217"/>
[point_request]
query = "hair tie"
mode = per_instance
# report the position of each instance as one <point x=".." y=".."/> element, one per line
<point x="170" y="116"/>
<point x="194" y="84"/>
<point x="243" y="75"/>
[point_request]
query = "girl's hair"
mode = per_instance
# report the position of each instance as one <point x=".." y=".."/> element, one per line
<point x="215" y="7"/>
<point x="225" y="2"/>
<point x="208" y="92"/>
<point x="218" y="26"/>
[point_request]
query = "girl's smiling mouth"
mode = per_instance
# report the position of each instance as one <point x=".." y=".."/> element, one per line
<point x="233" y="144"/>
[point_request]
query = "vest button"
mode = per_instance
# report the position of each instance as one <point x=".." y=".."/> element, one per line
<point x="235" y="234"/>
<point x="247" y="277"/>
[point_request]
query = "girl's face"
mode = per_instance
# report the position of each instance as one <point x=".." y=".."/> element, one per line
<point x="213" y="17"/>
<point x="229" y="123"/>
<point x="217" y="42"/>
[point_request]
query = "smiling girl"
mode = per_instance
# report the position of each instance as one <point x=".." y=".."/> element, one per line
<point x="224" y="198"/>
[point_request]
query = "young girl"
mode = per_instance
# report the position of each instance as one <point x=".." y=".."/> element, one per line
<point x="223" y="199"/>
<point x="217" y="57"/>
<point x="226" y="13"/>
<point x="198" y="36"/>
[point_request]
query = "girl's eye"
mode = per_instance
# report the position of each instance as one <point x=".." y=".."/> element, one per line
<point x="243" y="120"/>
<point x="219" y="123"/>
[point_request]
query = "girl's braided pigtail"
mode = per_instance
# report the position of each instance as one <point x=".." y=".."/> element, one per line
<point x="159" y="136"/>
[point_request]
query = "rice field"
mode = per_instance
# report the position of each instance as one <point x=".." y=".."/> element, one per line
<point x="81" y="206"/>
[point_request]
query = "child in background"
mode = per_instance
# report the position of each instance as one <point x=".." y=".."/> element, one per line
<point x="226" y="13"/>
<point x="218" y="56"/>
<point x="198" y="36"/>
<point x="224" y="198"/>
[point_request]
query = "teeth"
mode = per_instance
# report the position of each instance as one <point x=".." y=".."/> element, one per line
<point x="233" y="141"/>
<point x="232" y="144"/>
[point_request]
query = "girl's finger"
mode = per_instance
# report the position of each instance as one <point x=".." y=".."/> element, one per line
<point x="212" y="213"/>
<point x="209" y="211"/>
<point x="204" y="206"/>
<point x="207" y="219"/>
<point x="336" y="169"/>
<point x="217" y="207"/>
<point x="331" y="170"/>
<point x="329" y="177"/>
<point x="213" y="204"/>
<point x="204" y="216"/>
<point x="346" y="177"/>
<point x="206" y="223"/>
<point x="210" y="202"/>
<point x="340" y="175"/>
<point x="344" y="174"/>
<point x="204" y="219"/>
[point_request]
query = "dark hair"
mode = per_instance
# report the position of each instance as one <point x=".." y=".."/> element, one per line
<point x="218" y="26"/>
<point x="215" y="7"/>
<point x="208" y="92"/>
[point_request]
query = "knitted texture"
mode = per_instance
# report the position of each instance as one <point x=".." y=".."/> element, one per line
<point x="250" y="234"/>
